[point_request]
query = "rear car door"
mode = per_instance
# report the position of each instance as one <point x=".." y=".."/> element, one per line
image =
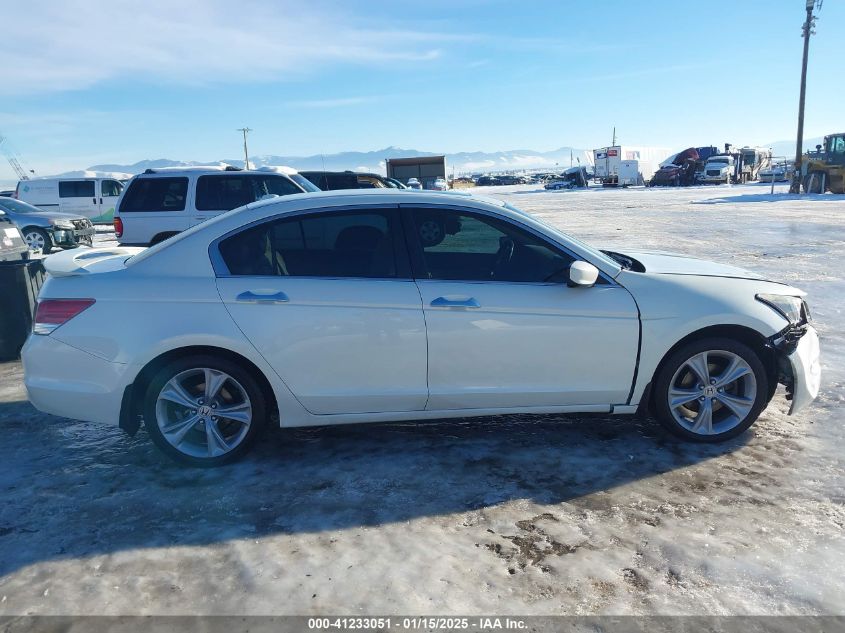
<point x="504" y="329"/>
<point x="153" y="206"/>
<point x="327" y="298"/>
<point x="218" y="193"/>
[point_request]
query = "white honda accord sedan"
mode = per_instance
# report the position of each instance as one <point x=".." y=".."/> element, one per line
<point x="377" y="305"/>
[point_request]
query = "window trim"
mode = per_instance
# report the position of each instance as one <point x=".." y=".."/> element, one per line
<point x="415" y="250"/>
<point x="400" y="247"/>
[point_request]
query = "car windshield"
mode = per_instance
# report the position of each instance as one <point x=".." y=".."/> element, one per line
<point x="303" y="182"/>
<point x="16" y="206"/>
<point x="724" y="161"/>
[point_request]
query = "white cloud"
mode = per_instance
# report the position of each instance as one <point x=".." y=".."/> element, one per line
<point x="341" y="102"/>
<point x="76" y="44"/>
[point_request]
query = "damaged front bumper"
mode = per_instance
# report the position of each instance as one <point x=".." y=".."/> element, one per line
<point x="799" y="364"/>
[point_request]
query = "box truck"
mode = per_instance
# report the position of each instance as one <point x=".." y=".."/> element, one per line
<point x="614" y="166"/>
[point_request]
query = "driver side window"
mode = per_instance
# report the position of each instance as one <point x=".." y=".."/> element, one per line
<point x="459" y="246"/>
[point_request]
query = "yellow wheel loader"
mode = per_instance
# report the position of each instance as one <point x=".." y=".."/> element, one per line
<point x="824" y="169"/>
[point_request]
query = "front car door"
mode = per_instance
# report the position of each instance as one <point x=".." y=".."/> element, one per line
<point x="327" y="298"/>
<point x="109" y="193"/>
<point x="504" y="329"/>
<point x="217" y="193"/>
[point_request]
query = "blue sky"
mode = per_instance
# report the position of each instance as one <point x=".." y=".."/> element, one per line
<point x="116" y="82"/>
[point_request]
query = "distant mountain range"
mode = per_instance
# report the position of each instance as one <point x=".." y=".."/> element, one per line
<point x="462" y="162"/>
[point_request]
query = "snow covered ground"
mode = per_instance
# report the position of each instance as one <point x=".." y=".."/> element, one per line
<point x="520" y="515"/>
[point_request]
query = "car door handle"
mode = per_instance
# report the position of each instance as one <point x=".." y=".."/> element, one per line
<point x="252" y="297"/>
<point x="443" y="302"/>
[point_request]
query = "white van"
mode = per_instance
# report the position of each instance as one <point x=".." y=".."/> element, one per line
<point x="94" y="198"/>
<point x="163" y="202"/>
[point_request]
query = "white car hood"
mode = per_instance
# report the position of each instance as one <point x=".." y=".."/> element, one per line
<point x="658" y="262"/>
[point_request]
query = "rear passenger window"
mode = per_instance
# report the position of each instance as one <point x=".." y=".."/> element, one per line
<point x="325" y="245"/>
<point x="155" y="194"/>
<point x="76" y="189"/>
<point x="227" y="192"/>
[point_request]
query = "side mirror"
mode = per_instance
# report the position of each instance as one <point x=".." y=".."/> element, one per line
<point x="582" y="274"/>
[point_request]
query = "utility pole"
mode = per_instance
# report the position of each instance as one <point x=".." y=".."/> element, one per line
<point x="806" y="32"/>
<point x="246" y="130"/>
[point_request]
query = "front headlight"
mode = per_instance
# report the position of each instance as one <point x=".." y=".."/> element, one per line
<point x="66" y="226"/>
<point x="790" y="308"/>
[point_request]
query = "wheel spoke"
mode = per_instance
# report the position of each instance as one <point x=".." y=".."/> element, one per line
<point x="214" y="381"/>
<point x="239" y="412"/>
<point x="698" y="364"/>
<point x="738" y="404"/>
<point x="679" y="397"/>
<point x="704" y="420"/>
<point x="175" y="392"/>
<point x="736" y="370"/>
<point x="216" y="443"/>
<point x="177" y="431"/>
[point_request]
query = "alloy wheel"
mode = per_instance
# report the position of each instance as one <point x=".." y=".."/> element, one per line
<point x="712" y="392"/>
<point x="203" y="412"/>
<point x="35" y="241"/>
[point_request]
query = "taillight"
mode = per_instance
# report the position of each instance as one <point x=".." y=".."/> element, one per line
<point x="51" y="313"/>
<point x="118" y="227"/>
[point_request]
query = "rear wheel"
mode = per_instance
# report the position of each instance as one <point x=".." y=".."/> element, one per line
<point x="161" y="237"/>
<point x="711" y="390"/>
<point x="204" y="411"/>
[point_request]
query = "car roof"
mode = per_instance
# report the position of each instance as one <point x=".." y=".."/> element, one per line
<point x="212" y="169"/>
<point x="391" y="196"/>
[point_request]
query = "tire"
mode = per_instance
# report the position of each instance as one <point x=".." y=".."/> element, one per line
<point x="161" y="237"/>
<point x="186" y="442"/>
<point x="814" y="180"/>
<point x="38" y="238"/>
<point x="731" y="411"/>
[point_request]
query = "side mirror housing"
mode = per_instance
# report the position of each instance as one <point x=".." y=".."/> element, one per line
<point x="582" y="274"/>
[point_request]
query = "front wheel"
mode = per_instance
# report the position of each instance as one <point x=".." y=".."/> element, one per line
<point x="711" y="390"/>
<point x="204" y="411"/>
<point x="37" y="239"/>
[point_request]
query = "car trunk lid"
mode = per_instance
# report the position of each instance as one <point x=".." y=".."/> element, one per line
<point x="88" y="261"/>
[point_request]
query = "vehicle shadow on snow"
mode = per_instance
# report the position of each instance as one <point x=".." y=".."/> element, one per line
<point x="72" y="489"/>
<point x="766" y="197"/>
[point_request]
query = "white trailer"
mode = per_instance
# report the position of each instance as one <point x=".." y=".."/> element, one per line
<point x="610" y="170"/>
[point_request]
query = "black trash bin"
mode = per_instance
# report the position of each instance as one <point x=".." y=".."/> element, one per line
<point x="20" y="280"/>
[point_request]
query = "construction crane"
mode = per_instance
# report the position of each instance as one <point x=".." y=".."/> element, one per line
<point x="13" y="161"/>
